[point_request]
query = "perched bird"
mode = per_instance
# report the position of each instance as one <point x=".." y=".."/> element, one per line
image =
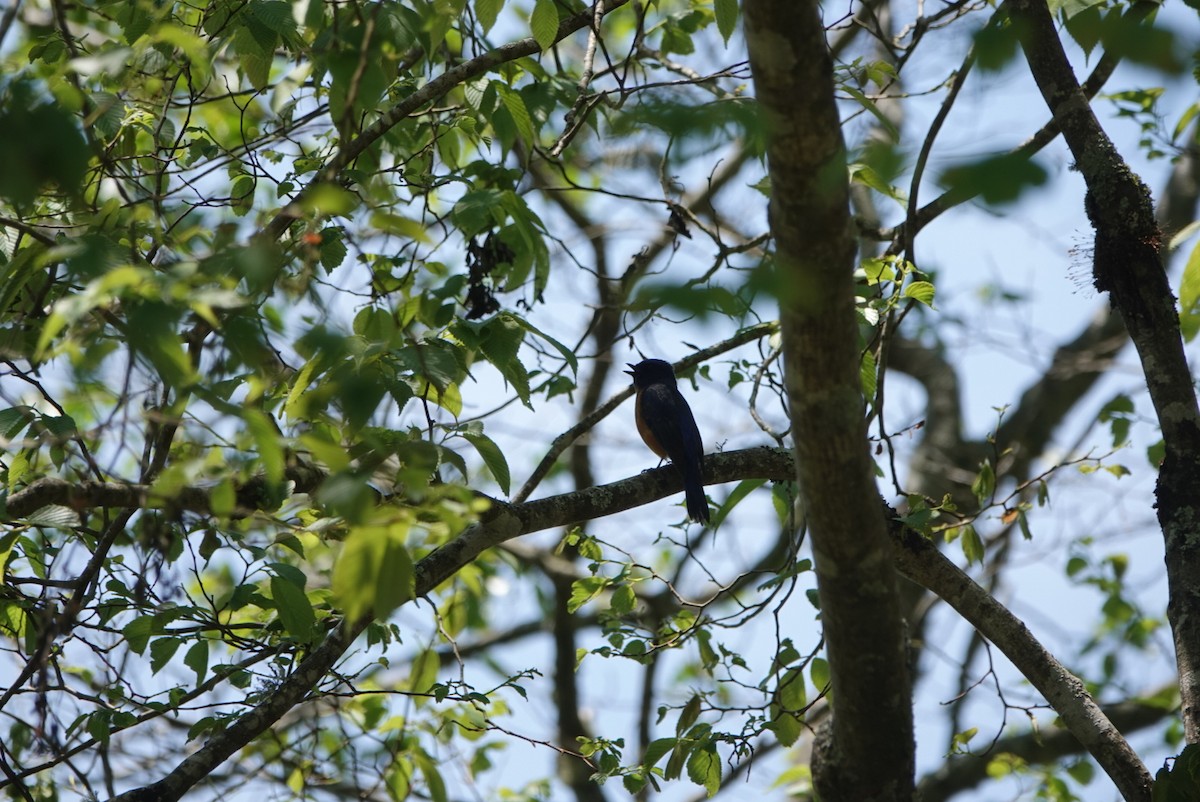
<point x="665" y="422"/>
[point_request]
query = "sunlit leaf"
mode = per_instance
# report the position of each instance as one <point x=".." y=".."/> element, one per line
<point x="543" y="22"/>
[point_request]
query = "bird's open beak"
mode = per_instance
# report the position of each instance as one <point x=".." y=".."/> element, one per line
<point x="630" y="372"/>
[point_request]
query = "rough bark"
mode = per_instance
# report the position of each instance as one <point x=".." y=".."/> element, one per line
<point x="1128" y="265"/>
<point x="869" y="754"/>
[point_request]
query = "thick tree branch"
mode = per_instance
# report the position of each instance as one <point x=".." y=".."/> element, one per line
<point x="502" y="523"/>
<point x="1043" y="746"/>
<point x="914" y="555"/>
<point x="1129" y="267"/>
<point x="870" y="754"/>
<point x="919" y="559"/>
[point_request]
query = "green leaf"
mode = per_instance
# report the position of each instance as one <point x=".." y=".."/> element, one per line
<point x="138" y="631"/>
<point x="434" y="784"/>
<point x="333" y="248"/>
<point x="704" y="768"/>
<point x="739" y="493"/>
<point x="726" y="12"/>
<point x="985" y="483"/>
<point x="269" y="441"/>
<point x="584" y="590"/>
<point x="818" y="670"/>
<point x="921" y="291"/>
<point x="1085" y="27"/>
<point x="543" y="23"/>
<point x="55" y="516"/>
<point x="793" y="695"/>
<point x="161" y="652"/>
<point x="958" y="743"/>
<point x="501" y="340"/>
<point x="61" y="426"/>
<point x="867" y="375"/>
<point x="197" y="659"/>
<point x="374" y="573"/>
<point x="624" y="600"/>
<point x="40" y="144"/>
<point x="567" y="354"/>
<point x="295" y="610"/>
<point x="514" y="104"/>
<point x="689" y="714"/>
<point x="996" y="44"/>
<point x="99" y="725"/>
<point x="1189" y="295"/>
<point x="423" y="673"/>
<point x="657" y="749"/>
<point x="487" y="11"/>
<point x="493" y="458"/>
<point x="885" y="122"/>
<point x="787" y="727"/>
<point x="152" y="333"/>
<point x="972" y="545"/>
<point x="997" y="179"/>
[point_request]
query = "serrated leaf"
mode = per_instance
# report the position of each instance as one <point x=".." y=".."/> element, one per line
<point x="567" y="354"/>
<point x="656" y="750"/>
<point x="867" y="375"/>
<point x="543" y="23"/>
<point x="333" y="249"/>
<point x="793" y="695"/>
<point x="54" y="515"/>
<point x="14" y="420"/>
<point x="161" y="652"/>
<point x="704" y="768"/>
<point x="985" y="483"/>
<point x="623" y="600"/>
<point x="138" y="631"/>
<point x="423" y="673"/>
<point x="921" y="291"/>
<point x="1189" y="293"/>
<point x="818" y="670"/>
<point x="584" y="590"/>
<point x="61" y="426"/>
<point x="197" y="660"/>
<point x="972" y="545"/>
<point x="99" y="725"/>
<point x="374" y="572"/>
<point x="493" y="458"/>
<point x="689" y="714"/>
<point x="514" y="104"/>
<point x="726" y="12"/>
<point x="787" y="727"/>
<point x="502" y="338"/>
<point x="294" y="608"/>
<point x="487" y="11"/>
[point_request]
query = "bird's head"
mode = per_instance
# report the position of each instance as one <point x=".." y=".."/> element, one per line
<point x="651" y="371"/>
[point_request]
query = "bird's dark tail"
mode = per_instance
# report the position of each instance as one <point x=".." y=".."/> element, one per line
<point x="693" y="489"/>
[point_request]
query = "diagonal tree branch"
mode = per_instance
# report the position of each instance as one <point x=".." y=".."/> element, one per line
<point x="917" y="557"/>
<point x="1128" y="265"/>
<point x="1043" y="746"/>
